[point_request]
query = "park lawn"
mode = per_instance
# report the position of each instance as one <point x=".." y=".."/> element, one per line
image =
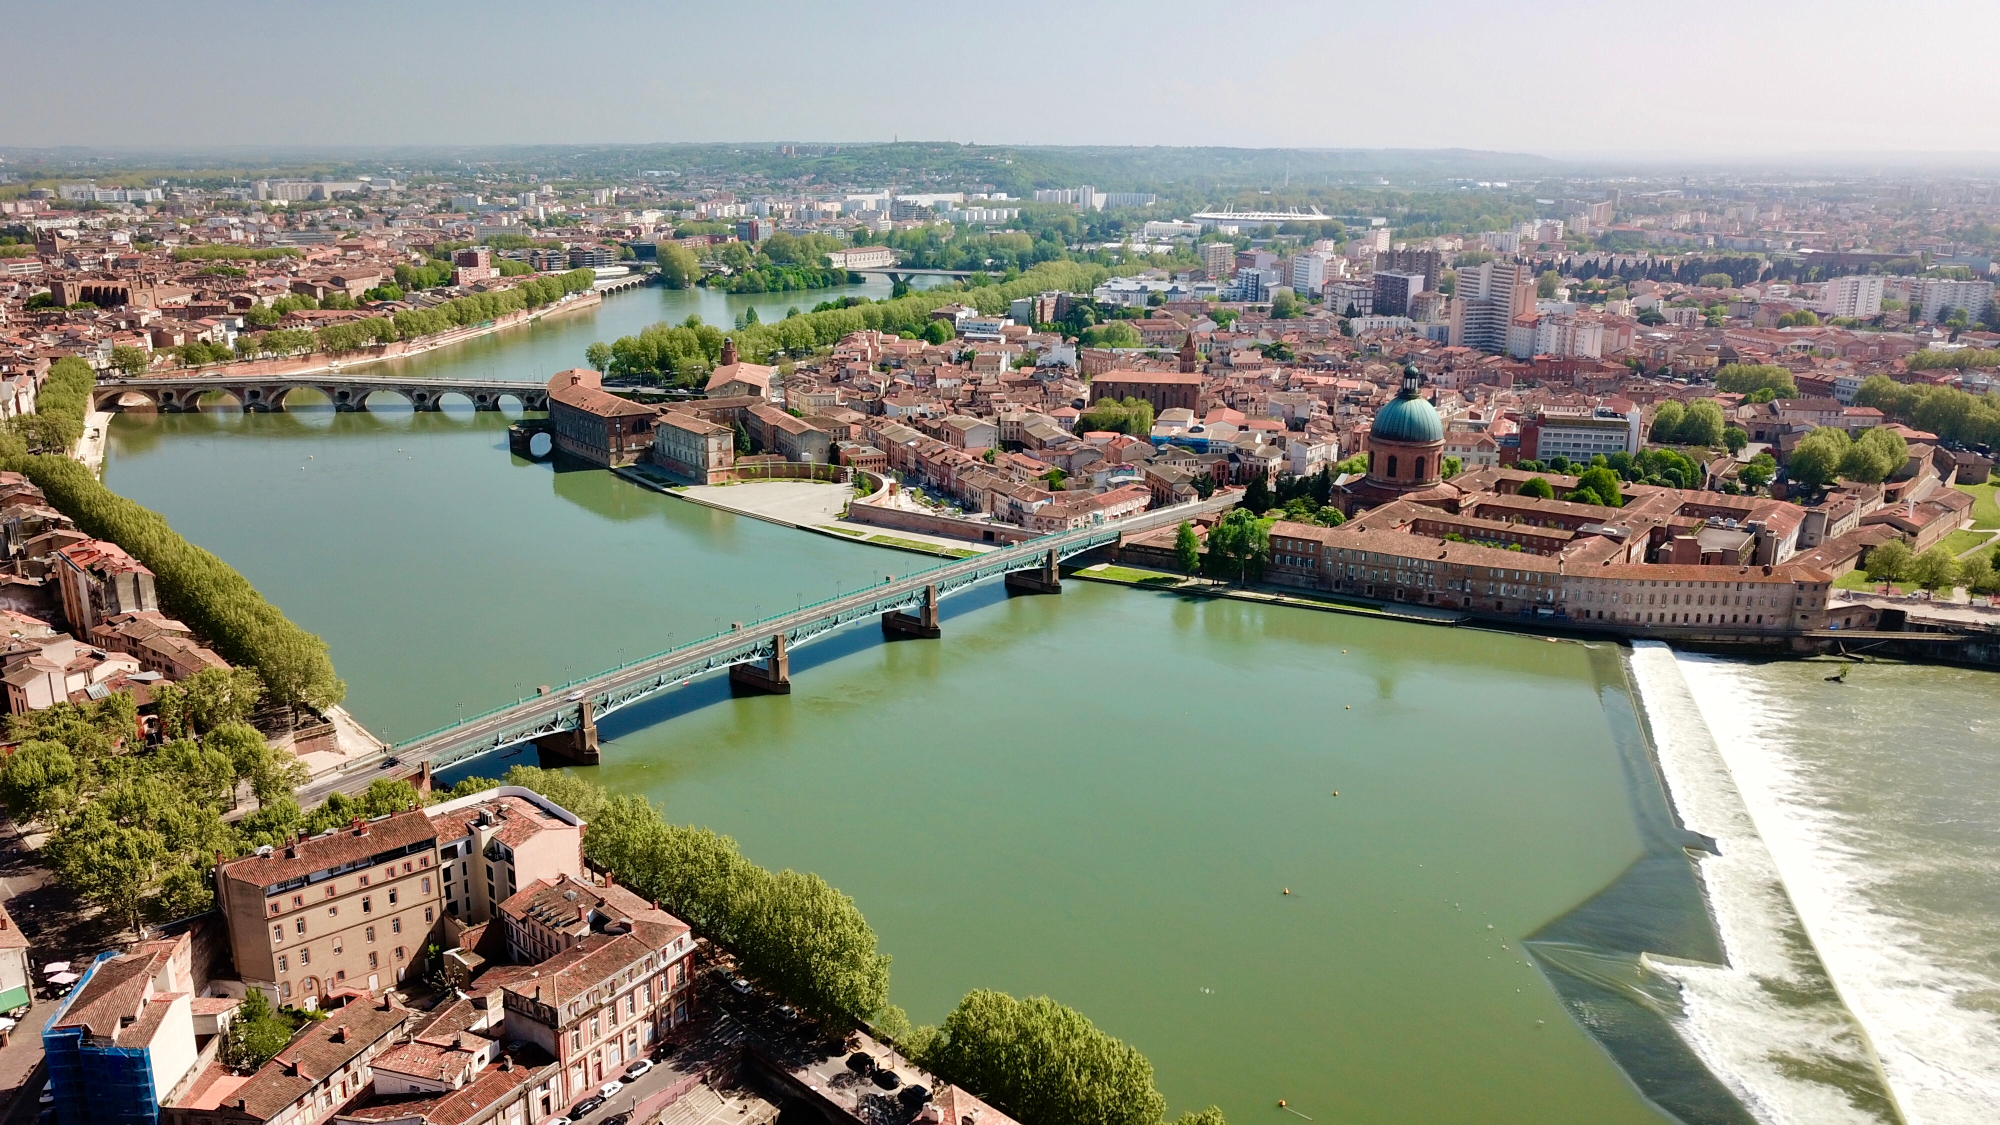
<point x="924" y="548"/>
<point x="1128" y="574"/>
<point x="1959" y="542"/>
<point x="1985" y="511"/>
<point x="1857" y="579"/>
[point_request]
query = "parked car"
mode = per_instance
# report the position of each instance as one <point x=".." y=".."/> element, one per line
<point x="638" y="1069"/>
<point x="663" y="1052"/>
<point x="786" y="1011"/>
<point x="741" y="986"/>
<point x="610" y="1090"/>
<point x="585" y="1108"/>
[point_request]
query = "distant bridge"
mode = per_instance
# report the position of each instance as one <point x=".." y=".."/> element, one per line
<point x="269" y="393"/>
<point x="904" y="273"/>
<point x="564" y="721"/>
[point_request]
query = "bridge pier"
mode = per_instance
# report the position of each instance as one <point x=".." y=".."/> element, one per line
<point x="578" y="746"/>
<point x="773" y="677"/>
<point x="1044" y="579"/>
<point x="923" y="624"/>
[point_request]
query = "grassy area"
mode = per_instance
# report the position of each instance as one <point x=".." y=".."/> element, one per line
<point x="1857" y="579"/>
<point x="1128" y="574"/>
<point x="1959" y="542"/>
<point x="1985" y="511"/>
<point x="925" y="548"/>
<point x="847" y="531"/>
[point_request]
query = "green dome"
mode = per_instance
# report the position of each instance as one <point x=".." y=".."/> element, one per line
<point x="1409" y="417"/>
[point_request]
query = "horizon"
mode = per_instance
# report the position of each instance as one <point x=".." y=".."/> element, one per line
<point x="1307" y="77"/>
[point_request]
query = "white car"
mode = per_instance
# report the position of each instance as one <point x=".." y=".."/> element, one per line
<point x="610" y="1090"/>
<point x="741" y="986"/>
<point x="638" y="1069"/>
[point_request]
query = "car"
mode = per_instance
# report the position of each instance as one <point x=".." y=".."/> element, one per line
<point x="391" y="763"/>
<point x="48" y="1095"/>
<point x="787" y="1012"/>
<point x="585" y="1108"/>
<point x="617" y="1119"/>
<point x="638" y="1069"/>
<point x="663" y="1052"/>
<point x="610" y="1090"/>
<point x="573" y="697"/>
<point x="741" y="986"/>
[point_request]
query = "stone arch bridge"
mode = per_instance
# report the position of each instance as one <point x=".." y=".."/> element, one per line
<point x="269" y="393"/>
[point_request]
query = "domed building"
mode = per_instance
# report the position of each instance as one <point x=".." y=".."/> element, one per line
<point x="1405" y="449"/>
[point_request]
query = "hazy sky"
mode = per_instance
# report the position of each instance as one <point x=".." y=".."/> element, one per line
<point x="1558" y="77"/>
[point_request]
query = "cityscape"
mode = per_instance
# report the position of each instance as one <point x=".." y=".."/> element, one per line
<point x="1411" y="612"/>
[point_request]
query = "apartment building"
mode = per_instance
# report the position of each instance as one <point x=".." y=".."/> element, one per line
<point x="340" y="912"/>
<point x="1488" y="299"/>
<point x="1937" y="298"/>
<point x="1218" y="262"/>
<point x="1394" y="290"/>
<point x="1858" y="297"/>
<point x="1580" y="433"/>
<point x="1351" y="298"/>
<point x="98" y="580"/>
<point x="493" y="843"/>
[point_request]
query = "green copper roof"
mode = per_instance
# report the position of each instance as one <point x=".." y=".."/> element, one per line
<point x="1409" y="417"/>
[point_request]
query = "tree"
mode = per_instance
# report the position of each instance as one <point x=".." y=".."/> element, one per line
<point x="1667" y="422"/>
<point x="1816" y="461"/>
<point x="1703" y="425"/>
<point x="1537" y="488"/>
<point x="1452" y="467"/>
<point x="1187" y="548"/>
<point x="1744" y="378"/>
<point x="130" y="360"/>
<point x="1759" y="471"/>
<point x="1284" y="305"/>
<point x="1875" y="456"/>
<point x="1597" y="486"/>
<point x="598" y="356"/>
<point x="679" y="268"/>
<point x="1735" y="437"/>
<point x="1238" y="544"/>
<point x="1716" y="281"/>
<point x="1936" y="568"/>
<point x="940" y="332"/>
<point x="1043" y="1063"/>
<point x="742" y="440"/>
<point x="1547" y="283"/>
<point x="209" y="698"/>
<point x="1889" y="562"/>
<point x="256" y="1033"/>
<point x="1975" y="573"/>
<point x="1257" y="497"/>
<point x="1112" y="334"/>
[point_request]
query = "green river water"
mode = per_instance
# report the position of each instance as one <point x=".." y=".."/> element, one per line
<point x="1100" y="796"/>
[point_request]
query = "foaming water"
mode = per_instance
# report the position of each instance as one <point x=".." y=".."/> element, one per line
<point x="1770" y="1023"/>
<point x="1877" y="801"/>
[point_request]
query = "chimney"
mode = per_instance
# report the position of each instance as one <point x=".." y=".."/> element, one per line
<point x="610" y="878"/>
<point x="728" y="351"/>
<point x="574" y="379"/>
<point x="339" y="1034"/>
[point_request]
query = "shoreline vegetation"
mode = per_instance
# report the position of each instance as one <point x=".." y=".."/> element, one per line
<point x="1035" y="1059"/>
<point x="193" y="584"/>
<point x="683" y="354"/>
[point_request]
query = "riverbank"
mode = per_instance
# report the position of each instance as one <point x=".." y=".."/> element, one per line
<point x="90" y="448"/>
<point x="318" y="362"/>
<point x="814" y="506"/>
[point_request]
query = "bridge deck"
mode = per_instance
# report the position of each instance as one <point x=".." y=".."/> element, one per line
<point x="631" y="682"/>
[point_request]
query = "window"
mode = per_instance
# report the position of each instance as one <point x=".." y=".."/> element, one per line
<point x="305" y="957"/>
<point x="364" y="880"/>
<point x="274" y="909"/>
<point x="392" y="897"/>
<point x="338" y="946"/>
<point x="367" y="906"/>
<point x="301" y="925"/>
<point x="1392" y="466"/>
<point x="395" y="925"/>
<point x="427" y="914"/>
<point x="298" y="901"/>
<point x="371" y="960"/>
<point x="406" y="867"/>
<point x="340" y="976"/>
<point x="399" y="953"/>
<point x="329" y="890"/>
<point x="283" y="965"/>
<point x="370" y="933"/>
<point x="278" y="934"/>
<point x="285" y="991"/>
<point x="427" y="885"/>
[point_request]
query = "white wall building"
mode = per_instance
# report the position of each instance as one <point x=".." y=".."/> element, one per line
<point x="1937" y="297"/>
<point x="1858" y="296"/>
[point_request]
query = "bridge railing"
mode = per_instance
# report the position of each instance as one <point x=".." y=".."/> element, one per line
<point x="1010" y="557"/>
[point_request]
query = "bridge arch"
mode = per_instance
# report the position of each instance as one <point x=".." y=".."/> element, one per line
<point x="373" y="398"/>
<point x="113" y="398"/>
<point x="286" y="395"/>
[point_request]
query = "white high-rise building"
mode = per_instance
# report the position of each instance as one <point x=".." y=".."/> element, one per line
<point x="1309" y="274"/>
<point x="1489" y="297"/>
<point x="1937" y="297"/>
<point x="1859" y="296"/>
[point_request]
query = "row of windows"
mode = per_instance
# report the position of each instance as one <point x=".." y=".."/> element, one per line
<point x="367" y="907"/>
<point x="332" y="886"/>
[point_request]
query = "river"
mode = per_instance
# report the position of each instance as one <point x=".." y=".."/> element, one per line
<point x="1102" y="797"/>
